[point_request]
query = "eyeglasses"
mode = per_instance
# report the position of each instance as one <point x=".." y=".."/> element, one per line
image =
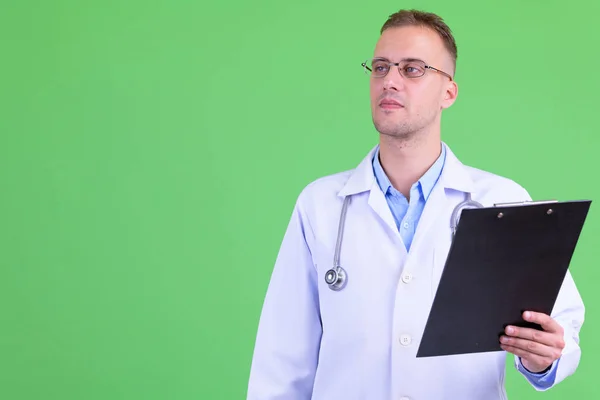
<point x="379" y="67"/>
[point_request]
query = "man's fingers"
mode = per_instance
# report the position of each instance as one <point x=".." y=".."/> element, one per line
<point x="531" y="347"/>
<point x="552" y="335"/>
<point x="534" y="362"/>
<point x="549" y="339"/>
<point x="537" y="349"/>
<point x="547" y="323"/>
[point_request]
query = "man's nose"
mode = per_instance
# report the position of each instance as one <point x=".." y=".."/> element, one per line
<point x="393" y="80"/>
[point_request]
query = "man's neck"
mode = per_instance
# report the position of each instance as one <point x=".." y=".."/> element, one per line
<point x="406" y="161"/>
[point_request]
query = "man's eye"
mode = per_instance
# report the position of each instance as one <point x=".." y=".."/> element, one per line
<point x="413" y="70"/>
<point x="380" y="67"/>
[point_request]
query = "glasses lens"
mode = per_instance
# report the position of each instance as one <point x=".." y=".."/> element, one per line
<point x="412" y="69"/>
<point x="379" y="67"/>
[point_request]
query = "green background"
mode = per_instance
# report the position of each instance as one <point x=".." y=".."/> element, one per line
<point x="151" y="153"/>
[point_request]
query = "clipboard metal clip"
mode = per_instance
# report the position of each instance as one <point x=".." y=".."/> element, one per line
<point x="525" y="203"/>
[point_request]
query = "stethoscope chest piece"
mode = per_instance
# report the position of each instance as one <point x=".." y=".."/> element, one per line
<point x="336" y="278"/>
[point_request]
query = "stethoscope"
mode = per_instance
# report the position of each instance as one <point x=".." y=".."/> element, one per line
<point x="337" y="278"/>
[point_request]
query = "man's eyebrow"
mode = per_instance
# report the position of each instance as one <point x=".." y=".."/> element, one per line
<point x="412" y="59"/>
<point x="405" y="59"/>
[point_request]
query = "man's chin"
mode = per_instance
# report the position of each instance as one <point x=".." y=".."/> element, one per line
<point x="392" y="128"/>
<point x="396" y="134"/>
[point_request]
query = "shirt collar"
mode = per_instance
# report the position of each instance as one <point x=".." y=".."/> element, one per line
<point x="426" y="182"/>
<point x="455" y="176"/>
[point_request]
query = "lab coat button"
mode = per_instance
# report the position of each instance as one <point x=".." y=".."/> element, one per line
<point x="407" y="278"/>
<point x="404" y="398"/>
<point x="405" y="340"/>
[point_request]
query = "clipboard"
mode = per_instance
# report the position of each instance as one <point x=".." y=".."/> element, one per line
<point x="503" y="260"/>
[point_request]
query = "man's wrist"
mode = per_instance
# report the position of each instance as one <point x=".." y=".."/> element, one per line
<point x="545" y="371"/>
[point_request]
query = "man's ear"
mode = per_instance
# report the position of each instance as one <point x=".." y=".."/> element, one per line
<point x="450" y="94"/>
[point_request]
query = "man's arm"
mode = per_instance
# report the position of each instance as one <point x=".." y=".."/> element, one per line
<point x="289" y="332"/>
<point x="568" y="313"/>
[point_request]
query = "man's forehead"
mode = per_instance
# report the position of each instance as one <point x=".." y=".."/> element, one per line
<point x="409" y="42"/>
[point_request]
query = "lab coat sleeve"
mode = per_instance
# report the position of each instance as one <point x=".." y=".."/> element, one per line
<point x="289" y="332"/>
<point x="540" y="381"/>
<point x="569" y="312"/>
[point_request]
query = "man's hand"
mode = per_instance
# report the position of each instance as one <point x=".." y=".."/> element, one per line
<point x="537" y="349"/>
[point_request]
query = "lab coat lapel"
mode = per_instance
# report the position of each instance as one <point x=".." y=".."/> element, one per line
<point x="363" y="179"/>
<point x="454" y="176"/>
<point x="379" y="204"/>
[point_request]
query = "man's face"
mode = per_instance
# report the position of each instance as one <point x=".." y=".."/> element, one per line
<point x="422" y="99"/>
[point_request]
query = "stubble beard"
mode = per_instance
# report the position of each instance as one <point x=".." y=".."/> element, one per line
<point x="404" y="131"/>
<point x="401" y="131"/>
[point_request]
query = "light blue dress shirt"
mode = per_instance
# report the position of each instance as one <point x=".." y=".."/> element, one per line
<point x="407" y="214"/>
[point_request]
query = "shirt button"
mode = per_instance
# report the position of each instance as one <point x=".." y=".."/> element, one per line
<point x="405" y="340"/>
<point x="406" y="225"/>
<point x="407" y="278"/>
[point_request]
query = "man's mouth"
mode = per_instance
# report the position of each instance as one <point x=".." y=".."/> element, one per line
<point x="390" y="104"/>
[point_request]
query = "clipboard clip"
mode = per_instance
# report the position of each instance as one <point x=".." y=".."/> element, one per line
<point x="525" y="203"/>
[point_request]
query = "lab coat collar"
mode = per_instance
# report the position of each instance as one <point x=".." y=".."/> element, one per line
<point x="454" y="175"/>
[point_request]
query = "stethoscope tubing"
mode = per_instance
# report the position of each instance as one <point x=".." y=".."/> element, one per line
<point x="337" y="278"/>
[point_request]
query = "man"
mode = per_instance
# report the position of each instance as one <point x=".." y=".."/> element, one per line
<point x="360" y="342"/>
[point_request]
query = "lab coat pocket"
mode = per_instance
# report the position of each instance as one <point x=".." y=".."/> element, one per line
<point x="349" y="314"/>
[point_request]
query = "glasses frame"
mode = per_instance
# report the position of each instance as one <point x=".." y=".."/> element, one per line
<point x="397" y="65"/>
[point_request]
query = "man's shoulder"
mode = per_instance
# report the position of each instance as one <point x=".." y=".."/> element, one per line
<point x="325" y="187"/>
<point x="497" y="185"/>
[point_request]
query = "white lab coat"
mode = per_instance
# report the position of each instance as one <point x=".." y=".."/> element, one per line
<point x="360" y="343"/>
